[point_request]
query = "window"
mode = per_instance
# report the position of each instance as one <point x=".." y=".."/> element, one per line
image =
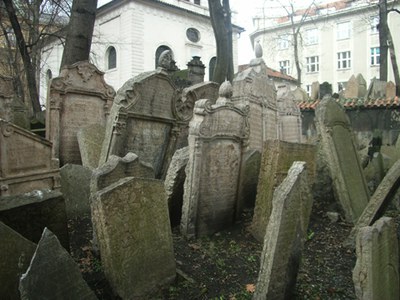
<point x="111" y="58"/>
<point x="312" y="64"/>
<point x="193" y="35"/>
<point x="283" y="42"/>
<point x="312" y="36"/>
<point x="197" y="2"/>
<point x="374" y="21"/>
<point x="375" y="56"/>
<point x="341" y="86"/>
<point x="284" y="66"/>
<point x="344" y="60"/>
<point x="343" y="30"/>
<point x="308" y="89"/>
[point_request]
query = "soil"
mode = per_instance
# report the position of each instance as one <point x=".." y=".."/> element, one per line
<point x="225" y="265"/>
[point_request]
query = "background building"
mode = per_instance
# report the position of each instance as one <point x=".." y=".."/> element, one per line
<point x="129" y="36"/>
<point x="336" y="40"/>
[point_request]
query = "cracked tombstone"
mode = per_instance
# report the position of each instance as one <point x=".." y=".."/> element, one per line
<point x="339" y="150"/>
<point x="285" y="236"/>
<point x="53" y="274"/>
<point x="376" y="274"/>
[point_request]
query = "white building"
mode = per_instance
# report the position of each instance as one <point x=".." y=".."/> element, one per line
<point x="129" y="35"/>
<point x="336" y="41"/>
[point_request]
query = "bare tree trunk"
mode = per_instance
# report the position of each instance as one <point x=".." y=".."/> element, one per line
<point x="296" y="54"/>
<point x="80" y="32"/>
<point x="222" y="26"/>
<point x="394" y="63"/>
<point x="383" y="40"/>
<point x="28" y="66"/>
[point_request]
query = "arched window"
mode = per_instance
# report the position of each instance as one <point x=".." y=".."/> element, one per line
<point x="211" y="67"/>
<point x="111" y="58"/>
<point x="160" y="50"/>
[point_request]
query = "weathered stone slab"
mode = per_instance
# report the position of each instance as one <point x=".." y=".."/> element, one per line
<point x="314" y="91"/>
<point x="15" y="253"/>
<point x="117" y="168"/>
<point x="53" y="274"/>
<point x="390" y="90"/>
<point x="378" y="202"/>
<point x="276" y="160"/>
<point x="341" y="158"/>
<point x="376" y="274"/>
<point x="285" y="236"/>
<point x="254" y="88"/>
<point x="26" y="163"/>
<point x="78" y="97"/>
<point x="216" y="137"/>
<point x="147" y="119"/>
<point x="134" y="236"/>
<point x="29" y="214"/>
<point x="356" y="87"/>
<point x="174" y="182"/>
<point x="376" y="89"/>
<point x="75" y="186"/>
<point x="90" y="140"/>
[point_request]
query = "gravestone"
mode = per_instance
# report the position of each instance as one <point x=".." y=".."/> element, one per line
<point x="26" y="162"/>
<point x="390" y="90"/>
<point x="78" y="97"/>
<point x="289" y="115"/>
<point x="196" y="70"/>
<point x="285" y="236"/>
<point x="15" y="253"/>
<point x="130" y="218"/>
<point x="379" y="201"/>
<point x="90" y="141"/>
<point x="300" y="95"/>
<point x="30" y="213"/>
<point x="315" y="91"/>
<point x="146" y="119"/>
<point x="325" y="89"/>
<point x="276" y="160"/>
<point x="53" y="274"/>
<point x="376" y="274"/>
<point x="355" y="87"/>
<point x="254" y="88"/>
<point x="376" y="89"/>
<point x="217" y="138"/>
<point x="339" y="152"/>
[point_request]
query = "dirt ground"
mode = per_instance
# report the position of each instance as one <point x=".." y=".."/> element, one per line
<point x="225" y="265"/>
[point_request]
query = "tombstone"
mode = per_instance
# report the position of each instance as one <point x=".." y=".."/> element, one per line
<point x="75" y="187"/>
<point x="285" y="236"/>
<point x="315" y="91"/>
<point x="325" y="89"/>
<point x="30" y="213"/>
<point x="217" y="138"/>
<point x="78" y="97"/>
<point x="376" y="89"/>
<point x="53" y="274"/>
<point x="130" y="218"/>
<point x="173" y="183"/>
<point x="390" y="90"/>
<point x="196" y="70"/>
<point x="16" y="253"/>
<point x="289" y="115"/>
<point x="146" y="119"/>
<point x="355" y="87"/>
<point x="90" y="141"/>
<point x="376" y="274"/>
<point x="381" y="198"/>
<point x="300" y="95"/>
<point x="26" y="162"/>
<point x="276" y="160"/>
<point x="339" y="152"/>
<point x="254" y="88"/>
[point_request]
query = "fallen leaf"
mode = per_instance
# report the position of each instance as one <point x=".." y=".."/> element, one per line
<point x="251" y="288"/>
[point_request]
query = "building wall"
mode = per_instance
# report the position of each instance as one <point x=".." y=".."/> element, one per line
<point x="136" y="29"/>
<point x="360" y="42"/>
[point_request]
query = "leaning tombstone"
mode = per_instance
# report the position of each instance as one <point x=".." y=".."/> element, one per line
<point x="131" y="221"/>
<point x="315" y="91"/>
<point x="90" y="141"/>
<point x="217" y="137"/>
<point x="376" y="89"/>
<point x="339" y="150"/>
<point x="276" y="160"/>
<point x="15" y="255"/>
<point x="78" y="97"/>
<point x="376" y="274"/>
<point x="285" y="236"/>
<point x="53" y="274"/>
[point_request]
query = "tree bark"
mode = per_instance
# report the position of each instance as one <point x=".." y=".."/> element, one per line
<point x="80" y="32"/>
<point x="383" y="40"/>
<point x="221" y="22"/>
<point x="26" y="59"/>
<point x="394" y="63"/>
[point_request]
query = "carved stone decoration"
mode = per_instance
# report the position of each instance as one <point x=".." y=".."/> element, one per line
<point x="78" y="97"/>
<point x="217" y="141"/>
